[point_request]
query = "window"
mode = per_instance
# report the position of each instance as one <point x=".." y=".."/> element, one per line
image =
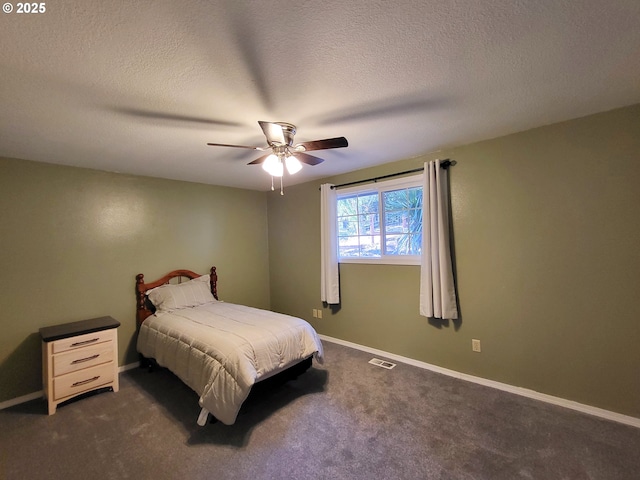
<point x="381" y="222"/>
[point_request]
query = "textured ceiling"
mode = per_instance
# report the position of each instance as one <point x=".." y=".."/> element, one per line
<point x="141" y="86"/>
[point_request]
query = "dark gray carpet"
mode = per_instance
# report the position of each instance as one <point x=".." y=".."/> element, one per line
<point x="346" y="419"/>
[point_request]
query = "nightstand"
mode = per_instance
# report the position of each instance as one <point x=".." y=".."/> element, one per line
<point x="79" y="357"/>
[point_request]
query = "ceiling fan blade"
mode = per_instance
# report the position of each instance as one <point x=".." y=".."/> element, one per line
<point x="308" y="159"/>
<point x="273" y="132"/>
<point x="237" y="146"/>
<point x="258" y="161"/>
<point x="337" y="142"/>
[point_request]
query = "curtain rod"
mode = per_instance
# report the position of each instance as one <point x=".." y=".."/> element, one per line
<point x="443" y="164"/>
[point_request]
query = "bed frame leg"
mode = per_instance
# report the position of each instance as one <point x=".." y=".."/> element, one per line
<point x="146" y="363"/>
<point x="203" y="417"/>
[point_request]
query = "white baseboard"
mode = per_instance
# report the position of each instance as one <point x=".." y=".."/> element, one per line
<point x="598" y="412"/>
<point x="128" y="366"/>
<point x="40" y="394"/>
<point x="24" y="398"/>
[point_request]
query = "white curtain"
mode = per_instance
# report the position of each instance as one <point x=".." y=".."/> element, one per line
<point x="329" y="280"/>
<point x="437" y="292"/>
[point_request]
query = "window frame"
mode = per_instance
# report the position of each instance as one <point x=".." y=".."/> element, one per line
<point x="379" y="187"/>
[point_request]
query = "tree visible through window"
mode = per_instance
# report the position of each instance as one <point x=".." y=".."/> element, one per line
<point x="403" y="221"/>
<point x="381" y="221"/>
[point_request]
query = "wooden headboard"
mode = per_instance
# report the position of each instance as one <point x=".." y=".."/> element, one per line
<point x="144" y="307"/>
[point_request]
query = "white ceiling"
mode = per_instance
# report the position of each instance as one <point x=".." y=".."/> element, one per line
<point x="140" y="87"/>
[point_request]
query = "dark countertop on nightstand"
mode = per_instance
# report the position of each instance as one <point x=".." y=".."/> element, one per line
<point x="56" y="332"/>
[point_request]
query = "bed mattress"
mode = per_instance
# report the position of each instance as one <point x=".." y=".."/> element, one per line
<point x="221" y="349"/>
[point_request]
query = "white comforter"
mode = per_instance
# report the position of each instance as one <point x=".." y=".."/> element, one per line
<point x="221" y="349"/>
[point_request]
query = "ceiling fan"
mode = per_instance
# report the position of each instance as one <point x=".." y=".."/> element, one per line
<point x="282" y="151"/>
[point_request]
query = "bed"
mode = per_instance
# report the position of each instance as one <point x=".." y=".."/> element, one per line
<point x="219" y="349"/>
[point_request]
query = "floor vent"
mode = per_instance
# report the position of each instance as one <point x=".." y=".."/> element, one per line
<point x="382" y="363"/>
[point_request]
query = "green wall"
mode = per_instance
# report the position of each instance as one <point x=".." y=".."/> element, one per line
<point x="74" y="239"/>
<point x="547" y="250"/>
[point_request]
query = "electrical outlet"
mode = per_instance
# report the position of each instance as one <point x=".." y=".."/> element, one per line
<point x="319" y="313"/>
<point x="475" y="345"/>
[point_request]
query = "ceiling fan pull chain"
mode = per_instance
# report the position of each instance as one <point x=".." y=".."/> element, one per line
<point x="281" y="188"/>
<point x="272" y="189"/>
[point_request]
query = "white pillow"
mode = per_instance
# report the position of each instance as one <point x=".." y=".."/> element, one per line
<point x="183" y="295"/>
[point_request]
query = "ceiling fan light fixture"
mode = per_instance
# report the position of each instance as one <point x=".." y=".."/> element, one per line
<point x="293" y="164"/>
<point x="273" y="166"/>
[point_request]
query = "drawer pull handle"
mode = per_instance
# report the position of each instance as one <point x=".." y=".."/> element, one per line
<point x="84" y="382"/>
<point x="82" y="360"/>
<point x="77" y="344"/>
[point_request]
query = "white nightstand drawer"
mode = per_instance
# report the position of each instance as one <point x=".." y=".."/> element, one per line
<point x="85" y="340"/>
<point x="83" y="380"/>
<point x="78" y="359"/>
